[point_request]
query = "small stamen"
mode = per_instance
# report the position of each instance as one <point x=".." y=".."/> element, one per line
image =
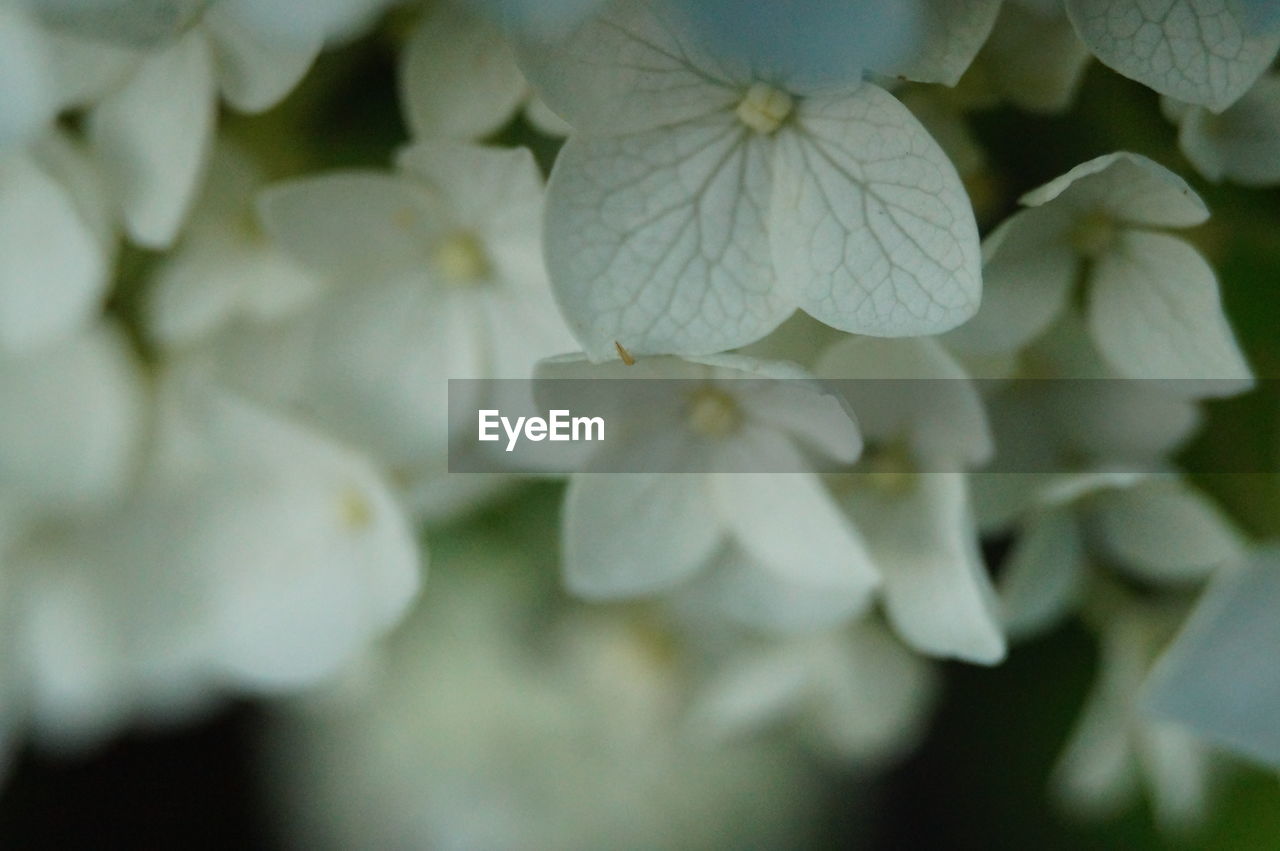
<point x="714" y="413"/>
<point x="461" y="259"/>
<point x="765" y="108"/>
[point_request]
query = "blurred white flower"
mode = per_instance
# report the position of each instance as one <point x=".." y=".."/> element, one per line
<point x="1114" y="752"/>
<point x="853" y="694"/>
<point x="54" y="244"/>
<point x="225" y="269"/>
<point x="776" y="541"/>
<point x="1241" y="143"/>
<point x="699" y="202"/>
<point x="433" y="273"/>
<point x="1153" y="308"/>
<point x="908" y="496"/>
<point x="486" y="724"/>
<point x="1205" y="52"/>
<point x="458" y="78"/>
<point x="153" y="131"/>
<point x="1154" y="529"/>
<point x="252" y="555"/>
<point x="1219" y="678"/>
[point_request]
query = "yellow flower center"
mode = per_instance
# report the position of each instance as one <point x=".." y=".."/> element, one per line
<point x="461" y="259"/>
<point x="355" y="510"/>
<point x="714" y="413"/>
<point x="764" y="108"/>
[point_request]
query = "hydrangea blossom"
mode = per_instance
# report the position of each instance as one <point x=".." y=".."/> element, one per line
<point x="700" y="201"/>
<point x="434" y="272"/>
<point x="1153" y="308"/>
<point x="1217" y="679"/>
<point x="1115" y="752"/>
<point x="774" y="541"/>
<point x="506" y="731"/>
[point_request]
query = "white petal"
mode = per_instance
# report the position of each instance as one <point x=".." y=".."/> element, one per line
<point x="544" y="119"/>
<point x="1044" y="574"/>
<point x="1154" y="312"/>
<point x="381" y="360"/>
<point x="26" y="90"/>
<point x="308" y="554"/>
<point x="1029" y="272"/>
<point x="657" y="240"/>
<point x="1220" y="676"/>
<point x="750" y="593"/>
<point x="954" y="32"/>
<point x="70" y="420"/>
<point x="352" y="227"/>
<point x="636" y="534"/>
<point x="153" y="138"/>
<point x="873" y="697"/>
<point x="458" y="76"/>
<point x="221" y="279"/>
<point x="936" y="589"/>
<point x="1130" y="187"/>
<point x="911" y="390"/>
<point x="54" y="272"/>
<point x="1195" y="50"/>
<point x="254" y="74"/>
<point x="135" y="23"/>
<point x="869" y="220"/>
<point x="1241" y="144"/>
<point x="628" y="69"/>
<point x="497" y="189"/>
<point x="789" y="524"/>
<point x="1164" y="531"/>
<point x="1097" y="773"/>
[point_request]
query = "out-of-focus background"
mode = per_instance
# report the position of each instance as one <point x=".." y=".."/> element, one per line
<point x="980" y="778"/>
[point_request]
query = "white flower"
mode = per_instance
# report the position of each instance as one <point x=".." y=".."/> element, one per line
<point x="1200" y="51"/>
<point x="70" y="422"/>
<point x="458" y="78"/>
<point x="1241" y="143"/>
<point x="774" y="541"/>
<point x="225" y="268"/>
<point x="1219" y="678"/>
<point x="54" y="243"/>
<point x="433" y="273"/>
<point x="252" y="555"/>
<point x="1114" y="751"/>
<point x="699" y="202"/>
<point x="908" y="496"/>
<point x="153" y="131"/>
<point x="1155" y="529"/>
<point x="492" y="722"/>
<point x="856" y="693"/>
<point x="1153" y="308"/>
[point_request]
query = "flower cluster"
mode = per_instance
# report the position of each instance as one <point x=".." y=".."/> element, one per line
<point x="224" y="411"/>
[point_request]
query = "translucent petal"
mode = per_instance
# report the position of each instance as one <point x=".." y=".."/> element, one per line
<point x="1198" y="51"/>
<point x="1154" y="312"/>
<point x="869" y="220"/>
